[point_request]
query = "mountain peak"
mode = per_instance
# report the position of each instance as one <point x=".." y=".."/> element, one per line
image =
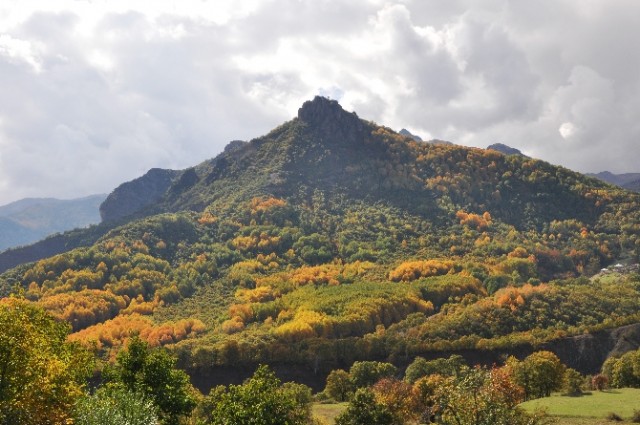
<point x="327" y="116"/>
<point x="320" y="108"/>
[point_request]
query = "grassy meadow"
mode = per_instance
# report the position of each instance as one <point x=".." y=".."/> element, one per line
<point x="327" y="413"/>
<point x="589" y="409"/>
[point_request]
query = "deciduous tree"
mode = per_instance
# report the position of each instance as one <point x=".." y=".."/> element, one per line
<point x="153" y="373"/>
<point x="41" y="374"/>
<point x="261" y="400"/>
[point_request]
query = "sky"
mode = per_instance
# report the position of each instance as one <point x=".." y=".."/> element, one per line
<point x="95" y="93"/>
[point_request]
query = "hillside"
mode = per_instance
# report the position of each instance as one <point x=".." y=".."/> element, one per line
<point x="29" y="220"/>
<point x="333" y="239"/>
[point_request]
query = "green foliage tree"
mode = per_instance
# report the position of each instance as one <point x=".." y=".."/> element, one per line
<point x="314" y="249"/>
<point x="364" y="410"/>
<point x="573" y="382"/>
<point x="339" y="385"/>
<point x="261" y="400"/>
<point x="539" y="374"/>
<point x="623" y="371"/>
<point x="367" y="373"/>
<point x="153" y="373"/>
<point x="41" y="374"/>
<point x="421" y="367"/>
<point x="478" y="397"/>
<point x="113" y="405"/>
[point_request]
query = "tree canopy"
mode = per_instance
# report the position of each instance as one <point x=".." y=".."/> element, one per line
<point x="41" y="374"/>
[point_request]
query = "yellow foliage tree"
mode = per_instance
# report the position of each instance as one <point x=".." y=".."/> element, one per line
<point x="42" y="374"/>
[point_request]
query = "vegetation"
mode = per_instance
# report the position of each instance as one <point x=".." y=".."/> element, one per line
<point x="332" y="243"/>
<point x="540" y="374"/>
<point x="596" y="404"/>
<point x="363" y="409"/>
<point x="115" y="406"/>
<point x="41" y="375"/>
<point x="152" y="374"/>
<point x="261" y="400"/>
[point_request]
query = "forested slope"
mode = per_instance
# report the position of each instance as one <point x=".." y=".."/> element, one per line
<point x="333" y="239"/>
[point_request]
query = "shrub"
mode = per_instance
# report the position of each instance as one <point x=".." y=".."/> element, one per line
<point x="572" y="382"/>
<point x="116" y="406"/>
<point x="614" y="417"/>
<point x="599" y="382"/>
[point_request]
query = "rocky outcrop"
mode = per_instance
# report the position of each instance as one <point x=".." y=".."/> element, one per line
<point x="133" y="196"/>
<point x="586" y="353"/>
<point x="332" y="122"/>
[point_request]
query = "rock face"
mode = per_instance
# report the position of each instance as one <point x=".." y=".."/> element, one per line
<point x="330" y="120"/>
<point x="135" y="195"/>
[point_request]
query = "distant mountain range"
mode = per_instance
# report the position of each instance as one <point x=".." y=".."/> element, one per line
<point x="29" y="220"/>
<point x="630" y="181"/>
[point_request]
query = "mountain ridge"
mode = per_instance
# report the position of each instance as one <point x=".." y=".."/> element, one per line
<point x="338" y="152"/>
<point x="630" y="181"/>
<point x="28" y="220"/>
<point x="332" y="239"/>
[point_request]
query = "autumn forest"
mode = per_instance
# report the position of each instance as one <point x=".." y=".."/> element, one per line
<point x="366" y="266"/>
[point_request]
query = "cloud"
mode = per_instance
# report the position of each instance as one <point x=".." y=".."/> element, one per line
<point x="95" y="93"/>
<point x="567" y="130"/>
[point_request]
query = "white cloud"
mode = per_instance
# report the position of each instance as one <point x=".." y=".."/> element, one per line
<point x="96" y="92"/>
<point x="567" y="130"/>
<point x="16" y="50"/>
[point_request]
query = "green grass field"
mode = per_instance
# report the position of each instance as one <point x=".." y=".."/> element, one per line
<point x="590" y="409"/>
<point x="327" y="413"/>
<point x="581" y="421"/>
<point x="578" y="410"/>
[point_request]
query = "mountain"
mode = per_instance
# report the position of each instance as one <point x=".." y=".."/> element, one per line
<point x="333" y="239"/>
<point x="507" y="150"/>
<point x="630" y="181"/>
<point x="633" y="185"/>
<point x="405" y="132"/>
<point x="133" y="196"/>
<point x="29" y="220"/>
